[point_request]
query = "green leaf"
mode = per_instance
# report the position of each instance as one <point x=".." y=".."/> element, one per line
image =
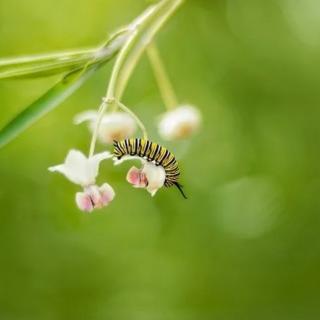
<point x="38" y="58"/>
<point x="63" y="89"/>
<point x="43" y="105"/>
<point x="48" y="64"/>
<point x="44" y="65"/>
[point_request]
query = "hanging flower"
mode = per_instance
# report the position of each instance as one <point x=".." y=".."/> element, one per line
<point x="159" y="165"/>
<point x="179" y="123"/>
<point x="114" y="126"/>
<point x="150" y="177"/>
<point x="83" y="171"/>
<point x="94" y="197"/>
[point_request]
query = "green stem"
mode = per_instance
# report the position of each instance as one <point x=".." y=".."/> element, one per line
<point x="156" y="16"/>
<point x="135" y="117"/>
<point x="111" y="88"/>
<point x="166" y="89"/>
<point x="145" y="39"/>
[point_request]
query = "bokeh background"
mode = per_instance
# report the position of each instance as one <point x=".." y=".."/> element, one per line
<point x="245" y="245"/>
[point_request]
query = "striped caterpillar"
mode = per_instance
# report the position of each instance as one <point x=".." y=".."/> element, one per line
<point x="151" y="152"/>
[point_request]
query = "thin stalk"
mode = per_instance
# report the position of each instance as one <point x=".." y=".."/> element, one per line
<point x="44" y="65"/>
<point x="135" y="117"/>
<point x="144" y="41"/>
<point x="110" y="91"/>
<point x="117" y="67"/>
<point x="138" y="28"/>
<point x="38" y="58"/>
<point x="165" y="86"/>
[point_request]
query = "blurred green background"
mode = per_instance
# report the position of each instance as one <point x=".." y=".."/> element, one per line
<point x="245" y="245"/>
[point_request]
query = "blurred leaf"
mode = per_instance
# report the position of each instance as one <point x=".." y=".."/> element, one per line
<point x="47" y="64"/>
<point x="63" y="89"/>
<point x="44" y="104"/>
<point x="59" y="62"/>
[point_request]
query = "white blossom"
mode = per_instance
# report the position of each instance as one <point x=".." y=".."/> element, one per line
<point x="94" y="197"/>
<point x="114" y="126"/>
<point x="179" y="123"/>
<point x="150" y="177"/>
<point x="83" y="171"/>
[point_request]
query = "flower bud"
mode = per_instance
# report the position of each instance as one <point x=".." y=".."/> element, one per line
<point x="114" y="126"/>
<point x="179" y="123"/>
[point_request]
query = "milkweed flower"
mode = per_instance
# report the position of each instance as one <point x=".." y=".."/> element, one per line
<point x="83" y="171"/>
<point x="94" y="197"/>
<point x="179" y="123"/>
<point x="159" y="166"/>
<point x="113" y="126"/>
<point x="150" y="177"/>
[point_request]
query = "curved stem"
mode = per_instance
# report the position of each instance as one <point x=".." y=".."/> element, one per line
<point x="156" y="16"/>
<point x="117" y="67"/>
<point x="110" y="91"/>
<point x="165" y="86"/>
<point x="136" y="118"/>
<point x="144" y="41"/>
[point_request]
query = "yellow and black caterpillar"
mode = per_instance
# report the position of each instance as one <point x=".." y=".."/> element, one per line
<point x="151" y="152"/>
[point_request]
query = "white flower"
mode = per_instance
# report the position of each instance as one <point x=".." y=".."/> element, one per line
<point x="79" y="169"/>
<point x="83" y="171"/>
<point x="114" y="126"/>
<point x="179" y="123"/>
<point x="150" y="177"/>
<point x="94" y="197"/>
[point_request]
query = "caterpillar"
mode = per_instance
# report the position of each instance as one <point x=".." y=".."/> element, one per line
<point x="152" y="152"/>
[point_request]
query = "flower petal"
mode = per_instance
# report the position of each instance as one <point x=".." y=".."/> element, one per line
<point x="179" y="123"/>
<point x="94" y="194"/>
<point x="89" y="115"/>
<point x="127" y="157"/>
<point x="113" y="126"/>
<point x="92" y="167"/>
<point x="100" y="196"/>
<point x="137" y="178"/>
<point x="79" y="169"/>
<point x="155" y="175"/>
<point x="95" y="197"/>
<point x="107" y="194"/>
<point x="84" y="202"/>
<point x="116" y="126"/>
<point x="74" y="167"/>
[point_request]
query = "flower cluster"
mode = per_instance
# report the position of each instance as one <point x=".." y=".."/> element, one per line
<point x="175" y="124"/>
<point x="83" y="171"/>
<point x="159" y="166"/>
